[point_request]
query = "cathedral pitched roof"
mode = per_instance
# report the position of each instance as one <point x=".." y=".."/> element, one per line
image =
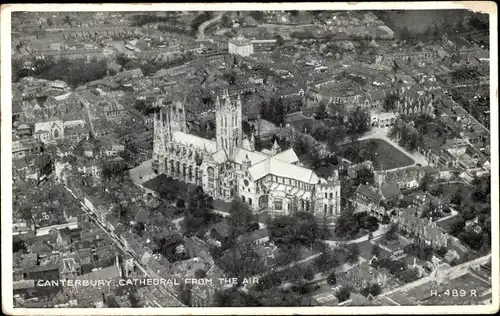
<point x="288" y="156"/>
<point x="282" y="169"/>
<point x="220" y="156"/>
<point x="195" y="141"/>
<point x="255" y="157"/>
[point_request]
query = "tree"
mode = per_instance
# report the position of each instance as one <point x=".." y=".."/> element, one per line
<point x="390" y="102"/>
<point x="358" y="121"/>
<point x="405" y="34"/>
<point x="457" y="197"/>
<point x="331" y="279"/>
<point x="241" y="217"/>
<point x="300" y="229"/>
<point x="226" y="21"/>
<point x="185" y="293"/>
<point x="180" y="203"/>
<point x="133" y="299"/>
<point x="375" y="289"/>
<point x="458" y="226"/>
<point x="111" y="302"/>
<point x="200" y="273"/>
<point x="364" y="176"/>
<point x="376" y="251"/>
<point x="325" y="261"/>
<point x="274" y="111"/>
<point x="343" y="294"/>
<point x="407" y="275"/>
<point x="27" y="216"/>
<point x="425" y="182"/>
<point x="353" y="255"/>
<point x="347" y="226"/>
<point x="309" y="274"/>
<point x="391" y="234"/>
<point x="321" y="112"/>
<point x="241" y="261"/>
<point x="18" y="245"/>
<point x="280" y="41"/>
<point x="257" y="15"/>
<point x="199" y="211"/>
<point x="113" y="170"/>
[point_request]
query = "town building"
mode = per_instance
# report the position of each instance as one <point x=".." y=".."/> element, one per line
<point x="230" y="167"/>
<point x="240" y="46"/>
<point x="423" y="230"/>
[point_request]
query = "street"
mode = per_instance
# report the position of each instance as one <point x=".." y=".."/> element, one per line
<point x="201" y="29"/>
<point x="382" y="229"/>
<point x="146" y="271"/>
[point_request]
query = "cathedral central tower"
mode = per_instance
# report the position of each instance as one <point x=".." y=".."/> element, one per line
<point x="229" y="133"/>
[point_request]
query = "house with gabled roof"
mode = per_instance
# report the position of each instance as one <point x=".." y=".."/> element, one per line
<point x="423" y="230"/>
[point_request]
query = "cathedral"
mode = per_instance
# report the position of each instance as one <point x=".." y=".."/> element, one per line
<point x="230" y="167"/>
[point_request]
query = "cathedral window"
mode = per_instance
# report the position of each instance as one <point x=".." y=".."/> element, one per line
<point x="211" y="178"/>
<point x="278" y="205"/>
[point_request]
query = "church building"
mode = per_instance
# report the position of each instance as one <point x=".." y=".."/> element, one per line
<point x="230" y="167"/>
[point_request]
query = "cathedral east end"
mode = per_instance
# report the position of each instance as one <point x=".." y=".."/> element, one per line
<point x="230" y="166"/>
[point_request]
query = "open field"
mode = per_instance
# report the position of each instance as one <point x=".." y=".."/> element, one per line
<point x="384" y="154"/>
<point x="416" y="22"/>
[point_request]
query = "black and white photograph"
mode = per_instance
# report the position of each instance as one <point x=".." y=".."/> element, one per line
<point x="307" y="160"/>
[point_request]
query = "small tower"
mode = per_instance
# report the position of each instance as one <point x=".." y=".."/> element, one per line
<point x="252" y="142"/>
<point x="246" y="163"/>
<point x="161" y="135"/>
<point x="276" y="148"/>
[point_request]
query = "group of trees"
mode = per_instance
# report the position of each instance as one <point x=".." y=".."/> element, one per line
<point x="274" y="111"/>
<point x="300" y="229"/>
<point x="170" y="248"/>
<point x="242" y="220"/>
<point x="349" y="224"/>
<point x="390" y="102"/>
<point x="424" y="252"/>
<point x="408" y="137"/>
<point x="373" y="289"/>
<point x="358" y="122"/>
<point x="149" y="67"/>
<point x="75" y="72"/>
<point x="397" y="268"/>
<point x="359" y="152"/>
<point x="241" y="260"/>
<point x="474" y="203"/>
<point x="363" y="176"/>
<point x="113" y="170"/>
<point x="199" y="20"/>
<point x="198" y="212"/>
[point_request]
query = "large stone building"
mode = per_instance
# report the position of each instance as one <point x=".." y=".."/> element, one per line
<point x="240" y="46"/>
<point x="230" y="167"/>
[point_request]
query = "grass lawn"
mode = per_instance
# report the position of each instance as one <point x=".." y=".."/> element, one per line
<point x="417" y="22"/>
<point x="446" y="223"/>
<point x="383" y="154"/>
<point x="450" y="188"/>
